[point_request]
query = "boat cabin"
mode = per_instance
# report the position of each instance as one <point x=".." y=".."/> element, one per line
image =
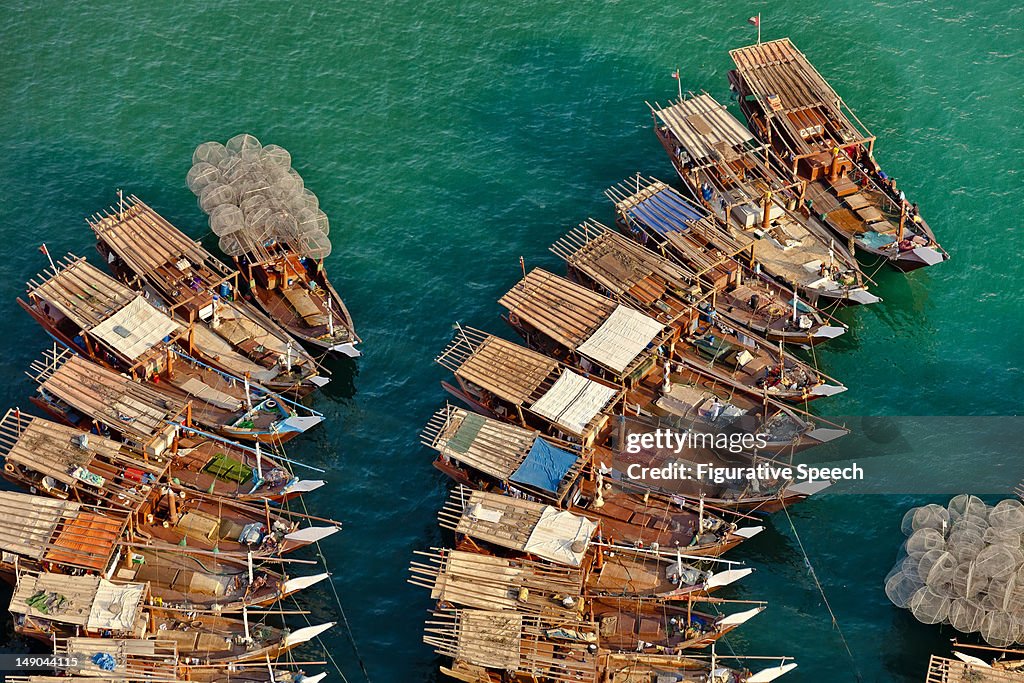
<point x="523" y="386"/>
<point x="587" y="330"/>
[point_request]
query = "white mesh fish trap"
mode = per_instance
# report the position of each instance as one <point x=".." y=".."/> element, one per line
<point x="963" y="565"/>
<point x="273" y="206"/>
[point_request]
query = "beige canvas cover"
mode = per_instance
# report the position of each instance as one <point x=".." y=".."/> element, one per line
<point x="573" y="401"/>
<point x="620" y="338"/>
<point x="135" y="329"/>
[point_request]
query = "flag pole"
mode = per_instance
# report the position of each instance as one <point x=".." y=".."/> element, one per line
<point x="679" y="82"/>
<point x="758" y="28"/>
<point x="48" y="257"/>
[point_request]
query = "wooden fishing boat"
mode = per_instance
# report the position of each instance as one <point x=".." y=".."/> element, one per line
<point x="497" y="647"/>
<point x="609" y="262"/>
<point x="789" y="105"/>
<point x="750" y="191"/>
<point x="514" y="383"/>
<point x="650" y="668"/>
<point x="61" y="459"/>
<point x="509" y="445"/>
<point x="460" y="578"/>
<point x="294" y="291"/>
<point x="81" y="393"/>
<point x="783" y="247"/>
<point x="630" y="623"/>
<point x="164" y="513"/>
<point x="99" y="317"/>
<point x="134" y="660"/>
<point x="45" y="606"/>
<point x="490" y="455"/>
<point x="148" y="253"/>
<point x="743" y="482"/>
<point x="184" y="581"/>
<point x="600" y="336"/>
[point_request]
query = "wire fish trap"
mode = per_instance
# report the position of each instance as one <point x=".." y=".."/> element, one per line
<point x="274" y="207"/>
<point x="963" y="565"/>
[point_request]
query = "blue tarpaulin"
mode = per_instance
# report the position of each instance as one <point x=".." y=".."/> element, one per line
<point x="545" y="466"/>
<point x="665" y="212"/>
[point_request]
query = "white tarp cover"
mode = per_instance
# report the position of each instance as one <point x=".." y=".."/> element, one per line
<point x="144" y="324"/>
<point x="573" y="401"/>
<point x="555" y="533"/>
<point x="620" y="338"/>
<point x="116" y="607"/>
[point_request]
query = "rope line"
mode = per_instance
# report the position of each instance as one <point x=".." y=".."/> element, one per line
<point x="821" y="590"/>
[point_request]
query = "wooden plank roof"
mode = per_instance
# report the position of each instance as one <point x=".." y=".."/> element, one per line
<point x="147" y="242"/>
<point x="70" y="457"/>
<point x="113" y="399"/>
<point x="529" y="379"/>
<point x="466" y="579"/>
<point x="82" y="292"/>
<point x="509" y="641"/>
<point x="88" y="601"/>
<point x="136" y="658"/>
<point x="948" y="670"/>
<point x="490" y="446"/>
<point x="778" y="69"/>
<point x="509" y="527"/>
<point x="663" y="213"/>
<point x="705" y="129"/>
<point x="59" y="531"/>
<point x="509" y="371"/>
<point x="625" y="269"/>
<point x="566" y="312"/>
<point x="493" y="447"/>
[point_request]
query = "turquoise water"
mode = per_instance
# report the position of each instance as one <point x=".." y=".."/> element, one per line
<point x="447" y="140"/>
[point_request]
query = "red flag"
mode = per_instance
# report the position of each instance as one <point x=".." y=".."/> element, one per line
<point x="675" y="74"/>
<point x="754" y="21"/>
<point x="43" y="251"/>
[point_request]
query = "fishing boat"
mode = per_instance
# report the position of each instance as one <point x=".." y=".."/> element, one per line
<point x="45" y="606"/>
<point x="460" y="578"/>
<point x="473" y="580"/>
<point x="631" y="625"/>
<point x="125" y="660"/>
<point x="273" y="228"/>
<point x="100" y="318"/>
<point x="514" y="383"/>
<point x="81" y="393"/>
<point x="60" y="463"/>
<point x="750" y="191"/>
<point x="743" y="482"/>
<point x="587" y="330"/>
<point x="62" y="458"/>
<point x="485" y="646"/>
<point x="491" y="455"/>
<point x="789" y="105"/>
<point x="782" y="247"/>
<point x="148" y="253"/>
<point x="609" y="262"/>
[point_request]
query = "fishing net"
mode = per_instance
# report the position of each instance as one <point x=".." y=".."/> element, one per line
<point x="963" y="565"/>
<point x="256" y="201"/>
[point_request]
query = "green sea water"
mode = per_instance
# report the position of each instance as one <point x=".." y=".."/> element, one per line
<point x="446" y="140"/>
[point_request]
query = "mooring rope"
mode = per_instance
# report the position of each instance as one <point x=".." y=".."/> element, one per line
<point x="821" y="590"/>
<point x="341" y="610"/>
